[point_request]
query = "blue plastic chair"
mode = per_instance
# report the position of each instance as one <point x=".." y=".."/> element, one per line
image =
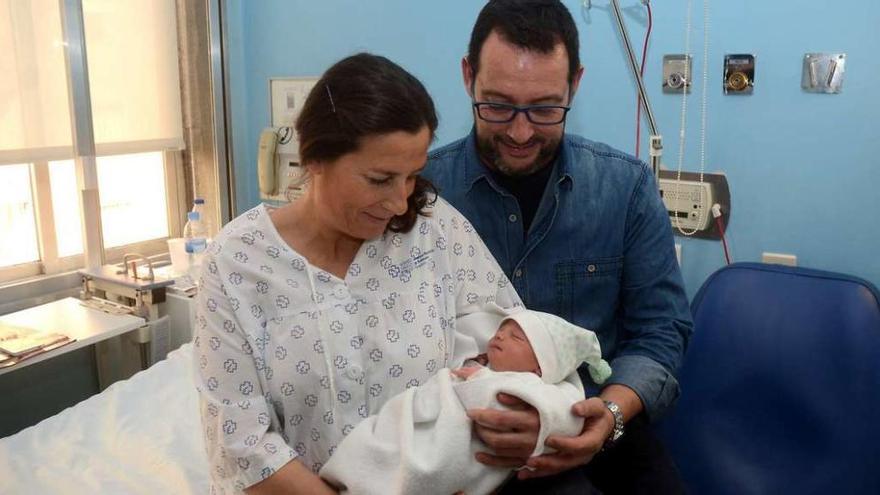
<point x="780" y="385"/>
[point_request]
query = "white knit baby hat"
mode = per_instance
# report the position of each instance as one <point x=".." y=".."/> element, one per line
<point x="561" y="347"/>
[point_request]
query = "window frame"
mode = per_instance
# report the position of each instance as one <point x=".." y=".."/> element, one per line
<point x="51" y="264"/>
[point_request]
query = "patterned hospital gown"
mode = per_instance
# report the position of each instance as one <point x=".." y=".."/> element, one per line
<point x="291" y="358"/>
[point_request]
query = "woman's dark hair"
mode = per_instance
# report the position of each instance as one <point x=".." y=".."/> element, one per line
<point x="360" y="96"/>
<point x="536" y="25"/>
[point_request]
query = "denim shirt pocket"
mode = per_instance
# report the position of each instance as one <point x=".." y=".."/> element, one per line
<point x="590" y="284"/>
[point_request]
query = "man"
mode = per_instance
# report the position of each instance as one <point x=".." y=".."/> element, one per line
<point x="581" y="231"/>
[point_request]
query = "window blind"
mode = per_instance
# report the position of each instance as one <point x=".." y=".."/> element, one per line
<point x="134" y="82"/>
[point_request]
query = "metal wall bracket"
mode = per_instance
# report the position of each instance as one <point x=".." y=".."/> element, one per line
<point x="678" y="72"/>
<point x="823" y="72"/>
<point x="739" y="74"/>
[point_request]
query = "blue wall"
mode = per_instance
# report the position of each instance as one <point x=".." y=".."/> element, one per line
<point x="803" y="168"/>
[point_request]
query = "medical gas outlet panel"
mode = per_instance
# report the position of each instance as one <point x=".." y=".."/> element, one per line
<point x="689" y="201"/>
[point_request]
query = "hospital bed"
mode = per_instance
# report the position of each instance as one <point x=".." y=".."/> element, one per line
<point x="140" y="436"/>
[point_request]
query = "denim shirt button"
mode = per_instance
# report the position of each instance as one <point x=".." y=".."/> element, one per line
<point x="591" y="268"/>
<point x="518" y="273"/>
<point x="512" y="218"/>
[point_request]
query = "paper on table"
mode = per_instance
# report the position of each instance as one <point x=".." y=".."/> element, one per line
<point x="7" y="360"/>
<point x="17" y="342"/>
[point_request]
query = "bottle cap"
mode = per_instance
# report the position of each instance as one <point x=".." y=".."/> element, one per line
<point x="192" y="215"/>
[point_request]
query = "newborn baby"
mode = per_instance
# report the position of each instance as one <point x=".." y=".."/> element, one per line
<point x="512" y="348"/>
<point x="420" y="441"/>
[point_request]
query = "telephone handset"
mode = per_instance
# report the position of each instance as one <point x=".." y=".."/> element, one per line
<point x="267" y="167"/>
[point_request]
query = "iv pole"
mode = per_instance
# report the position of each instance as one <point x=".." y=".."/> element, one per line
<point x="656" y="141"/>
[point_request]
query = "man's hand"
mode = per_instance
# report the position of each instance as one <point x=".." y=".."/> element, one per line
<point x="574" y="451"/>
<point x="510" y="434"/>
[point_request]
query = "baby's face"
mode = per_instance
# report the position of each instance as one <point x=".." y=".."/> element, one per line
<point x="510" y="350"/>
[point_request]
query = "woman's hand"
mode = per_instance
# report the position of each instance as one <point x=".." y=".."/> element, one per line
<point x="465" y="372"/>
<point x="511" y="434"/>
<point x="293" y="478"/>
<point x="574" y="451"/>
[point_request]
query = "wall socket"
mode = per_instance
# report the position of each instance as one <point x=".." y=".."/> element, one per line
<point x="689" y="203"/>
<point x="779" y="259"/>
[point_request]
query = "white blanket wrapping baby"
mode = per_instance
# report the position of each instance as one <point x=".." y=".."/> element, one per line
<point x="421" y="441"/>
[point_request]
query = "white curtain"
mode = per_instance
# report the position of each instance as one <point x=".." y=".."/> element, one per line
<point x="131" y="47"/>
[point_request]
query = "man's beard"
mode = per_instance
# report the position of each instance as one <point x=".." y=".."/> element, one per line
<point x="487" y="148"/>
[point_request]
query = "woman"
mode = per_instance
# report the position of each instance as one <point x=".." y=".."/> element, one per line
<point x="312" y="316"/>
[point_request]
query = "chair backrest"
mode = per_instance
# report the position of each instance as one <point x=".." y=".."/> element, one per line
<point x="780" y="385"/>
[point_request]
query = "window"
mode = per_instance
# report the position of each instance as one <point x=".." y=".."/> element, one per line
<point x="136" y="128"/>
<point x="65" y="208"/>
<point x="133" y="201"/>
<point x="17" y="220"/>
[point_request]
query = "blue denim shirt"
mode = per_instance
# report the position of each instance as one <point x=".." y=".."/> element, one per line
<point x="599" y="253"/>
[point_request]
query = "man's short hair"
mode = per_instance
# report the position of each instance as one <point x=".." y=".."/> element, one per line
<point x="535" y="25"/>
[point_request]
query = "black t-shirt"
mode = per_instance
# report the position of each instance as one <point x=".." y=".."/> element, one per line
<point x="528" y="190"/>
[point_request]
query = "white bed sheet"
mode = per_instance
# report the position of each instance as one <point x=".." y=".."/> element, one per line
<point x="140" y="436"/>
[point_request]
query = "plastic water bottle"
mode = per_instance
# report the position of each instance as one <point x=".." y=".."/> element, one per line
<point x="195" y="241"/>
<point x="199" y="206"/>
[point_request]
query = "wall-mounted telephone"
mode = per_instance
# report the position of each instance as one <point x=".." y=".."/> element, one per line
<point x="280" y="171"/>
<point x="267" y="164"/>
<point x="278" y="167"/>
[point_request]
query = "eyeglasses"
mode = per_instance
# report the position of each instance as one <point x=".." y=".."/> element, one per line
<point x="501" y="113"/>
